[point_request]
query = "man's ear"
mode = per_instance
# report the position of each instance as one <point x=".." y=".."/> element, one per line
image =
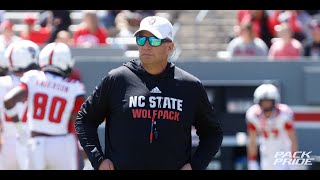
<point x="171" y="47"/>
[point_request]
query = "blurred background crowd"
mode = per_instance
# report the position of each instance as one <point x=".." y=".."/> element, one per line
<point x="275" y="34"/>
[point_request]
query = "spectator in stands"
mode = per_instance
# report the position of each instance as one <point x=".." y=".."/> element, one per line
<point x="7" y="34"/>
<point x="124" y="36"/>
<point x="261" y="23"/>
<point x="246" y="44"/>
<point x="313" y="12"/>
<point x="64" y="37"/>
<point x="312" y="46"/>
<point x="45" y="18"/>
<point x="298" y="21"/>
<point x="40" y="36"/>
<point x="122" y="25"/>
<point x="107" y="18"/>
<point x="133" y="18"/>
<point x="90" y="33"/>
<point x="61" y="21"/>
<point x="144" y="13"/>
<point x="285" y="47"/>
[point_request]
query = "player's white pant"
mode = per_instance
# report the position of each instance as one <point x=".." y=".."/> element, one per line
<point x="13" y="155"/>
<point x="8" y="154"/>
<point x="53" y="152"/>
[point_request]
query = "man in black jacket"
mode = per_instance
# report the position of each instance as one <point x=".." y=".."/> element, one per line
<point x="150" y="106"/>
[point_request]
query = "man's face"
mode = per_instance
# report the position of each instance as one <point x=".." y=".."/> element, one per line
<point x="285" y="32"/>
<point x="267" y="104"/>
<point x="154" y="55"/>
<point x="91" y="19"/>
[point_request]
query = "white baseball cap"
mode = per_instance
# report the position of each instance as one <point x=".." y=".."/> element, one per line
<point x="158" y="26"/>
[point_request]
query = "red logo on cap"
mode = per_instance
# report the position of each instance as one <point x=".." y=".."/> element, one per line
<point x="152" y="20"/>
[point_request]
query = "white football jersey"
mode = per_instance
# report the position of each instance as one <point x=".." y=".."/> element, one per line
<point x="6" y="84"/>
<point x="272" y="131"/>
<point x="51" y="100"/>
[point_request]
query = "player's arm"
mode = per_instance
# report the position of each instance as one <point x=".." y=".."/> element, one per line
<point x="78" y="102"/>
<point x="15" y="95"/>
<point x="76" y="108"/>
<point x="209" y="130"/>
<point x="77" y="105"/>
<point x="289" y="126"/>
<point x="252" y="147"/>
<point x="91" y="114"/>
<point x="292" y="136"/>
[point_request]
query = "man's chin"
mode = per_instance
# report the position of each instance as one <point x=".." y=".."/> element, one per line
<point x="147" y="59"/>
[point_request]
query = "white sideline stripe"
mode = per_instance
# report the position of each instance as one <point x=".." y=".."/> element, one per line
<point x="306" y="109"/>
<point x="307" y="125"/>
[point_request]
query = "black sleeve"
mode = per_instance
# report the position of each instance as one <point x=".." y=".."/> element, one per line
<point x="92" y="113"/>
<point x="209" y="130"/>
<point x="306" y="50"/>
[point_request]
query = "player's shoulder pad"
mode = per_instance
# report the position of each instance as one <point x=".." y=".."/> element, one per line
<point x="253" y="112"/>
<point x="30" y="75"/>
<point x="79" y="87"/>
<point x="284" y="108"/>
<point x="4" y="80"/>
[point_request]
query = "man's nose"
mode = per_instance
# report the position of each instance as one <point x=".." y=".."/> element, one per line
<point x="147" y="45"/>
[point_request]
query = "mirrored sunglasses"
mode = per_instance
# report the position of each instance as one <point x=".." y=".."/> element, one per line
<point x="153" y="41"/>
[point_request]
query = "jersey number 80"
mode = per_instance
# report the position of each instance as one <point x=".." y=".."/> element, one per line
<point x="57" y="105"/>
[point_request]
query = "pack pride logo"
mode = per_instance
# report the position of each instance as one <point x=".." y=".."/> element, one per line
<point x="300" y="158"/>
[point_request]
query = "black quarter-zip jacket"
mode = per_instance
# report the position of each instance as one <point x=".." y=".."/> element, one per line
<point x="131" y="100"/>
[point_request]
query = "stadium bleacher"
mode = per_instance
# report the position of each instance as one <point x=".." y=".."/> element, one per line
<point x="204" y="39"/>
